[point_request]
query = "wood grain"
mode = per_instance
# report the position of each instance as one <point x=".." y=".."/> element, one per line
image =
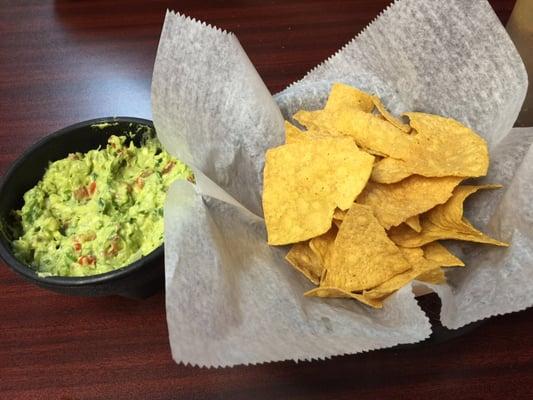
<point x="66" y="61"/>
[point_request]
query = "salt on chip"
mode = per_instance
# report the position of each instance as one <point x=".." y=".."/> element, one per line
<point x="394" y="203"/>
<point x="362" y="255"/>
<point x="304" y="182"/>
<point x="435" y="251"/>
<point x="440" y="147"/>
<point x="413" y="222"/>
<point x="389" y="117"/>
<point x="333" y="292"/>
<point x="342" y="95"/>
<point x="303" y="259"/>
<point x="445" y="221"/>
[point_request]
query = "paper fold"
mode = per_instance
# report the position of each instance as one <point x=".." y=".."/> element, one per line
<point x="211" y="108"/>
<point x="240" y="303"/>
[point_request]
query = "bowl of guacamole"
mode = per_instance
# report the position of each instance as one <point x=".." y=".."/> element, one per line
<point x="81" y="212"/>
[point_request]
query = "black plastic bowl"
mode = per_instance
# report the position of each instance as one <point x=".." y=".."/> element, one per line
<point x="137" y="280"/>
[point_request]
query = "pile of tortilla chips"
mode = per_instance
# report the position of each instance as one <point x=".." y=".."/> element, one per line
<point x="364" y="197"/>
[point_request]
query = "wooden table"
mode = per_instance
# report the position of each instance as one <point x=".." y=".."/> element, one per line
<point x="66" y="61"/>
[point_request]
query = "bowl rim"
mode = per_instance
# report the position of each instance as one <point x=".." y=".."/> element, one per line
<point x="6" y="253"/>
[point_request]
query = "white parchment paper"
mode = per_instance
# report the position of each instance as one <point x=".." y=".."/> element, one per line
<point x="231" y="298"/>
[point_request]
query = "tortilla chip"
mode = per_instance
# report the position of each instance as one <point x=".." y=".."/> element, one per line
<point x="445" y="221"/>
<point x="313" y="120"/>
<point x="303" y="259"/>
<point x="317" y="194"/>
<point x="304" y="182"/>
<point x="393" y="204"/>
<point x="342" y="95"/>
<point x="435" y="276"/>
<point x="320" y="245"/>
<point x="362" y="256"/>
<point x="390" y="170"/>
<point x="419" y="263"/>
<point x="440" y="147"/>
<point x="435" y="251"/>
<point x="369" y="132"/>
<point x="390" y="286"/>
<point x="340" y="293"/>
<point x="418" y="266"/>
<point x="374" y="153"/>
<point x="389" y="117"/>
<point x="293" y="134"/>
<point x="414" y="223"/>
<point x="452" y="211"/>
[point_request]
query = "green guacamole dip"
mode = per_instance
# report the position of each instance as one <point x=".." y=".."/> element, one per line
<point x="99" y="211"/>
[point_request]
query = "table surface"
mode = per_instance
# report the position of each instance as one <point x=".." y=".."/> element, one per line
<point x="66" y="61"/>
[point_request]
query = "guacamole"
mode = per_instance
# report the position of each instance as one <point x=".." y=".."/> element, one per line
<point x="99" y="211"/>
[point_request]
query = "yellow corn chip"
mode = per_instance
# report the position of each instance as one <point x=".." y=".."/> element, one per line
<point x="304" y="183"/>
<point x="293" y="134"/>
<point x="362" y="255"/>
<point x="419" y="265"/>
<point x="365" y="197"/>
<point x="414" y="223"/>
<point x="342" y="95"/>
<point x="389" y="117"/>
<point x="390" y="170"/>
<point x="303" y="259"/>
<point x="433" y="276"/>
<point x="435" y="251"/>
<point x="445" y="221"/>
<point x="373" y="134"/>
<point x="415" y="257"/>
<point x="390" y="286"/>
<point x="339" y="293"/>
<point x="374" y="153"/>
<point x="315" y="120"/>
<point x="440" y="147"/>
<point x="368" y="131"/>
<point x="320" y="245"/>
<point x="394" y="203"/>
<point x="452" y="211"/>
